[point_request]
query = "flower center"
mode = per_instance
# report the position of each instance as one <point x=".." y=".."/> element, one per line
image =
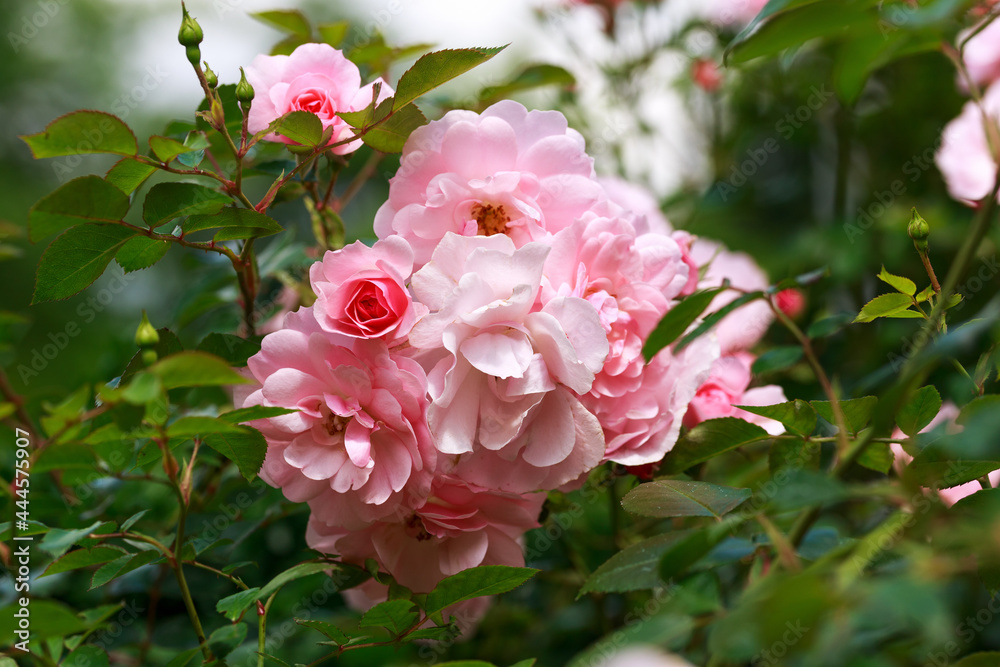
<point x="415" y="528"/>
<point x="336" y="424"/>
<point x="492" y="219"/>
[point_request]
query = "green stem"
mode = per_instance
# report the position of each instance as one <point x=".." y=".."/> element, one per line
<point x="178" y="568"/>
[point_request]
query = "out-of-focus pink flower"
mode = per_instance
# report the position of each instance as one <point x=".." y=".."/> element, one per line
<point x="315" y="78"/>
<point x="727" y="385"/>
<point x="629" y="280"/>
<point x="361" y="291"/>
<point x="982" y="55"/>
<point x="964" y="158"/>
<point x="502" y="374"/>
<point x="637" y="200"/>
<point x="791" y="301"/>
<point x="706" y="74"/>
<point x="459" y="526"/>
<point x="645" y="656"/>
<point x="946" y="415"/>
<point x="642" y="425"/>
<point x="505" y="171"/>
<point x="732" y="12"/>
<point x="745" y="326"/>
<point x="358" y="446"/>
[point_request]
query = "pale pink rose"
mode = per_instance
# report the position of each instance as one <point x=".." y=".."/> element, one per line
<point x="316" y="78"/>
<point x="505" y="171"/>
<point x="459" y="526"/>
<point x="964" y="158"/>
<point x="982" y="55"/>
<point x="745" y="326"/>
<point x="946" y="415"/>
<point x="642" y="425"/>
<point x="735" y="12"/>
<point x="502" y="373"/>
<point x="727" y="385"/>
<point x="639" y="202"/>
<point x="629" y="279"/>
<point x="358" y="446"/>
<point x="361" y="291"/>
<point x="685" y="242"/>
<point x="639" y="655"/>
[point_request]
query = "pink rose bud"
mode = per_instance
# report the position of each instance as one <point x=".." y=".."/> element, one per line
<point x="791" y="302"/>
<point x="706" y="75"/>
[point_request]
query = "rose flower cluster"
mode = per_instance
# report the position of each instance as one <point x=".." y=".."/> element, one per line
<point x="488" y="347"/>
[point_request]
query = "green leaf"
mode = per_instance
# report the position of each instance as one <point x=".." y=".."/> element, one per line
<point x="390" y="135"/>
<point x="435" y="68"/>
<point x="633" y="568"/>
<point x="141" y="252"/>
<point x="532" y="76"/>
<point x="80" y="558"/>
<point x="132" y="520"/>
<point x="776" y="359"/>
<point x="713" y="318"/>
<point x="978" y="406"/>
<point x="234" y="606"/>
<point x="670" y="497"/>
<point x="143" y="388"/>
<point x="687" y="551"/>
<point x="122" y="566"/>
<point x="786" y="454"/>
<point x="899" y="283"/>
<point x="330" y="630"/>
<point x="224" y="641"/>
<point x="85" y="199"/>
<point x="828" y="325"/>
<point x="83" y="132"/>
<point x="58" y="541"/>
<point x="232" y="348"/>
<point x="333" y="33"/>
<point x="529" y="662"/>
<point x="985" y="659"/>
<point x="857" y="411"/>
<point x="876" y="456"/>
<point x="709" y="439"/>
<point x="167" y="201"/>
<point x="396" y="616"/>
<point x="904" y="315"/>
<point x="128" y="174"/>
<point x="195" y="369"/>
<point x="236" y="223"/>
<point x="166" y="149"/>
<point x="302" y="127"/>
<point x="475" y="582"/>
<point x="76" y="259"/>
<point x="245" y="447"/>
<point x="184" y="658"/>
<point x="86" y="656"/>
<point x="242" y="415"/>
<point x="797" y="416"/>
<point x="677" y="320"/>
<point x="464" y="663"/>
<point x="919" y="410"/>
<point x="48" y="619"/>
<point x="189" y="427"/>
<point x="287" y="20"/>
<point x="884" y="305"/>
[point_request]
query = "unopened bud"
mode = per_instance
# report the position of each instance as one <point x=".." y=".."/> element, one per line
<point x="146" y="335"/>
<point x="193" y="55"/>
<point x="244" y="91"/>
<point x="210" y="78"/>
<point x="190" y="33"/>
<point x="919" y="230"/>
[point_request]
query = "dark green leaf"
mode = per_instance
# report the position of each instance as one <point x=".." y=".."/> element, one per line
<point x="243" y="415"/>
<point x="532" y="76"/>
<point x="232" y="348"/>
<point x="224" y="641"/>
<point x="677" y="320"/>
<point x="189" y="427"/>
<point x="986" y="659"/>
<point x="86" y="656"/>
<point x="797" y="416"/>
<point x="85" y="199"/>
<point x="785" y="454"/>
<point x="395" y="616"/>
<point x="233" y="606"/>
<point x="669" y="498"/>
<point x="167" y="201"/>
<point x="58" y="541"/>
<point x="83" y="132"/>
<point x="236" y="223"/>
<point x="684" y="553"/>
<point x="331" y="631"/>
<point x="919" y="410"/>
<point x="435" y="68"/>
<point x="286" y="20"/>
<point x="390" y="135"/>
<point x="884" y="305"/>
<point x="475" y="582"/>
<point x="633" y="568"/>
<point x="75" y="560"/>
<point x="141" y="252"/>
<point x="713" y="318"/>
<point x="709" y="439"/>
<point x="828" y="325"/>
<point x="977" y="406"/>
<point x="857" y="411"/>
<point x="128" y="174"/>
<point x="195" y="369"/>
<point x="246" y="448"/>
<point x="122" y="566"/>
<point x="776" y="359"/>
<point x="77" y="258"/>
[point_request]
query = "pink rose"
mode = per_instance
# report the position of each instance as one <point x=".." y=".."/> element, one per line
<point x="502" y="373"/>
<point x="358" y="446"/>
<point x="361" y="291"/>
<point x="315" y="78"/>
<point x="642" y="425"/>
<point x="982" y="55"/>
<point x="735" y="12"/>
<point x="638" y="202"/>
<point x="946" y="415"/>
<point x="459" y="526"/>
<point x="964" y="158"/>
<point x="745" y="326"/>
<point x="726" y="386"/>
<point x="505" y="171"/>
